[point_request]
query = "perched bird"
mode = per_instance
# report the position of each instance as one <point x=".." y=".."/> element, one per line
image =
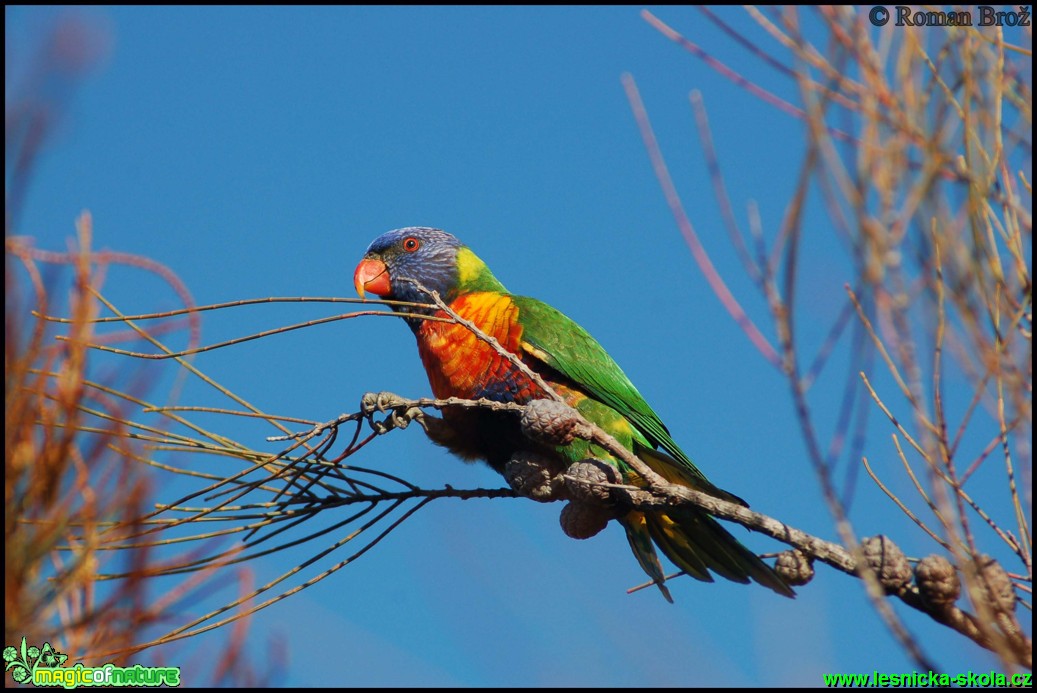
<point x="574" y="365"/>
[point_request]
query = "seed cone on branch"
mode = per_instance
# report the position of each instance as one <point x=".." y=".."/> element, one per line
<point x="937" y="581"/>
<point x="888" y="562"/>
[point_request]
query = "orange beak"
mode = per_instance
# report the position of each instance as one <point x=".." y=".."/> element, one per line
<point x="372" y="275"/>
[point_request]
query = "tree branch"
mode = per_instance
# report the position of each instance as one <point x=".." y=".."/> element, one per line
<point x="658" y="493"/>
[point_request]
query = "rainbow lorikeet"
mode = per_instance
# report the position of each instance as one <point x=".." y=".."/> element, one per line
<point x="572" y="363"/>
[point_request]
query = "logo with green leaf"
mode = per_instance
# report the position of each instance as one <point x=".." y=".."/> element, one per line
<point x="22" y="662"/>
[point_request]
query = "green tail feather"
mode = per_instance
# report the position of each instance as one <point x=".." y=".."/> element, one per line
<point x="641" y="544"/>
<point x="694" y="541"/>
<point x="697" y="544"/>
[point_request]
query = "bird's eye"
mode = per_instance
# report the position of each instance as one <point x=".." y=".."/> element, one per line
<point x="411" y="244"/>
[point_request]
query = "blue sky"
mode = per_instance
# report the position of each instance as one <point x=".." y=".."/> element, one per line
<point x="257" y="152"/>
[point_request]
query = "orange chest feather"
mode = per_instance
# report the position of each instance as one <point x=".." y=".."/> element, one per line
<point x="459" y="364"/>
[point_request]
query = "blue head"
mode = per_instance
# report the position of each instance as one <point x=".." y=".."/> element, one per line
<point x="435" y="259"/>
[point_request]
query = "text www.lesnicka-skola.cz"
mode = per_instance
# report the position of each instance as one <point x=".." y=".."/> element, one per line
<point x="930" y="679"/>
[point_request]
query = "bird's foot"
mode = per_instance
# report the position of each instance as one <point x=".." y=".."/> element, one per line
<point x="401" y="411"/>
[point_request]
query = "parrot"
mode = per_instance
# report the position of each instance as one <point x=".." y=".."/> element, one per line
<point x="572" y="363"/>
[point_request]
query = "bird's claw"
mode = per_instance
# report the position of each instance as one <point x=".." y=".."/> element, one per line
<point x="400" y="413"/>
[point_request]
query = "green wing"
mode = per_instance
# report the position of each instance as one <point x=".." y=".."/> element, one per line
<point x="551" y="337"/>
<point x="690" y="538"/>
